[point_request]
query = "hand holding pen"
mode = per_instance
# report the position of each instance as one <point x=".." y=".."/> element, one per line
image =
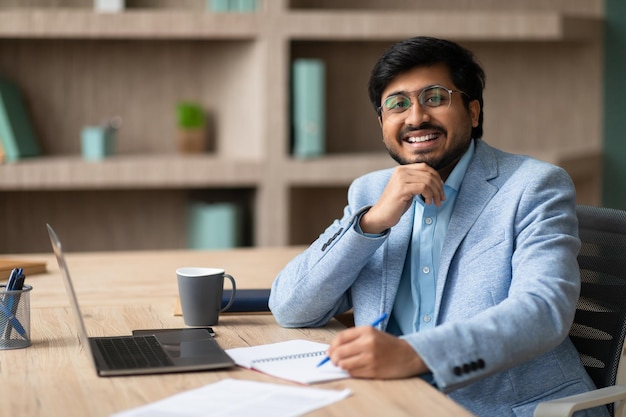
<point x="374" y="324"/>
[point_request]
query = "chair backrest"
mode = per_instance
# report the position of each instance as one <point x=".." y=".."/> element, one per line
<point x="600" y="322"/>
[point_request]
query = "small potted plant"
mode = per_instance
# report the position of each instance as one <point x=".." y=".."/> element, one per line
<point x="191" y="127"/>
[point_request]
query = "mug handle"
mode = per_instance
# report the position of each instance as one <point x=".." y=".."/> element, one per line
<point x="232" y="295"/>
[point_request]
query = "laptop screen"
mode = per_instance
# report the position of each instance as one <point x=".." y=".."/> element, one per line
<point x="58" y="252"/>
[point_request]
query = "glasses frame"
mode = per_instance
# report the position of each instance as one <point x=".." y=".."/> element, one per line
<point x="419" y="92"/>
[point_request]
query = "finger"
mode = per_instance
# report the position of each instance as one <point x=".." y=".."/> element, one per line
<point x="358" y="358"/>
<point x="356" y="366"/>
<point x="342" y="339"/>
<point x="433" y="196"/>
<point x="425" y="181"/>
<point x="352" y="342"/>
<point x="431" y="193"/>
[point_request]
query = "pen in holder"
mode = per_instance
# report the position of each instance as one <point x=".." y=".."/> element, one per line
<point x="14" y="317"/>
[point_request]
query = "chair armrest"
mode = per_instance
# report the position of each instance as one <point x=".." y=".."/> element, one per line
<point x="565" y="407"/>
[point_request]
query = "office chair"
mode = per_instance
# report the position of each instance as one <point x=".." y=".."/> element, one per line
<point x="600" y="322"/>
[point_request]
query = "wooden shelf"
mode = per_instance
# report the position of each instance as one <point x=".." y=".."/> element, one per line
<point x="333" y="25"/>
<point x="128" y="172"/>
<point x="140" y="24"/>
<point x="461" y="25"/>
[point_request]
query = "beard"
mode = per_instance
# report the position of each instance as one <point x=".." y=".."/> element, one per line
<point x="437" y="162"/>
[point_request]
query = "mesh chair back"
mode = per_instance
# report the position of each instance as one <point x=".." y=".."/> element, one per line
<point x="600" y="322"/>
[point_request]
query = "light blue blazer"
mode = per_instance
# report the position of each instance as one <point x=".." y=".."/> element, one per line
<point x="506" y="289"/>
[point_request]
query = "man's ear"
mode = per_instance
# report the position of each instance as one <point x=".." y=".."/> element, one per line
<point x="474" y="109"/>
<point x="380" y="121"/>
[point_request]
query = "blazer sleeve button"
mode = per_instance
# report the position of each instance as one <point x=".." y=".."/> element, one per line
<point x="457" y="371"/>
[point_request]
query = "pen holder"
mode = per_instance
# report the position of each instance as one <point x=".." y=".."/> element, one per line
<point x="14" y="318"/>
<point x="97" y="142"/>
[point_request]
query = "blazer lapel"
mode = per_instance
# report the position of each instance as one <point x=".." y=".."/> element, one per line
<point x="475" y="193"/>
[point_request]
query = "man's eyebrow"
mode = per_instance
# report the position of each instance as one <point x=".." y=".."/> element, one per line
<point x="396" y="93"/>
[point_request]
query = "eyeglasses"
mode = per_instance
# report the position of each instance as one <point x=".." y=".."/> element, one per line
<point x="431" y="97"/>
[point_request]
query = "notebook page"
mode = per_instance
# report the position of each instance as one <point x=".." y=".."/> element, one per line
<point x="246" y="355"/>
<point x="303" y="370"/>
<point x="294" y="360"/>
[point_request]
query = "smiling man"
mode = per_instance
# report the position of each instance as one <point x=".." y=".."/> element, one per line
<point x="469" y="250"/>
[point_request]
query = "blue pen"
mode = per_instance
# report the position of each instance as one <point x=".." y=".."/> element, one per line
<point x="8" y="304"/>
<point x="16" y="280"/>
<point x="374" y="324"/>
<point x="12" y="320"/>
<point x="10" y="283"/>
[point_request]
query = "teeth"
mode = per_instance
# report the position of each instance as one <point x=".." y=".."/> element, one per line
<point x="421" y="138"/>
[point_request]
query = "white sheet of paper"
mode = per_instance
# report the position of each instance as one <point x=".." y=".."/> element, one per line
<point x="239" y="398"/>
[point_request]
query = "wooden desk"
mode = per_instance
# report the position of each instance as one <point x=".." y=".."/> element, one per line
<point x="131" y="290"/>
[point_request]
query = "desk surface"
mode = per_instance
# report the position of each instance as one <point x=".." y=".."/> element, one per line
<point x="122" y="291"/>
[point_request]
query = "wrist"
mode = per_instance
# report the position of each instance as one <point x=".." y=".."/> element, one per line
<point x="369" y="225"/>
<point x="415" y="365"/>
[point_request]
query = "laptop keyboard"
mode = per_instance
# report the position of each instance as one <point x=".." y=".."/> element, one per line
<point x="132" y="352"/>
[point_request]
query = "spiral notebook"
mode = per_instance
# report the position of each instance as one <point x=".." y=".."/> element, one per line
<point x="294" y="360"/>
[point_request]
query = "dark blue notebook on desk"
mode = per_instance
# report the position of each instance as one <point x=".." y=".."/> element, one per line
<point x="247" y="301"/>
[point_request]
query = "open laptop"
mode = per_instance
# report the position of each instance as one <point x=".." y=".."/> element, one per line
<point x="162" y="352"/>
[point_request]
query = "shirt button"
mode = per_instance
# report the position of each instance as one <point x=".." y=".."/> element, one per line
<point x="426" y="318"/>
<point x="428" y="220"/>
<point x="426" y="270"/>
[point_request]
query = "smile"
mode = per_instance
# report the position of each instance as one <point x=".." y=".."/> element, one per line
<point x="418" y="139"/>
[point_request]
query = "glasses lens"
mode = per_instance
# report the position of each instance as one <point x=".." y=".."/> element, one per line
<point x="396" y="103"/>
<point x="434" y="96"/>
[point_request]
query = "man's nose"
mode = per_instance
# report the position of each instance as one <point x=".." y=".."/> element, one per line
<point x="416" y="114"/>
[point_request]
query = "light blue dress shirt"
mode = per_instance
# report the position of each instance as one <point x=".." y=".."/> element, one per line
<point x="414" y="307"/>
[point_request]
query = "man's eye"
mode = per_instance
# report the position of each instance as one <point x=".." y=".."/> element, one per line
<point x="397" y="103"/>
<point x="434" y="98"/>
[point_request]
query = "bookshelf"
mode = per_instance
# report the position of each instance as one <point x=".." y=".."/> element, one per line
<point x="75" y="66"/>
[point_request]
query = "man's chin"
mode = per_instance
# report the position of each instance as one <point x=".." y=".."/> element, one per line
<point x="413" y="159"/>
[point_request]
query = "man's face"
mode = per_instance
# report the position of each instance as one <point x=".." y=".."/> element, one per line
<point x="437" y="136"/>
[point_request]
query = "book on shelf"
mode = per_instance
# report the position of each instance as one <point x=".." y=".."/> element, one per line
<point x="243" y="5"/>
<point x="213" y="225"/>
<point x="308" y="107"/>
<point x="232" y="5"/>
<point x="109" y="6"/>
<point x="294" y="360"/>
<point x="16" y="130"/>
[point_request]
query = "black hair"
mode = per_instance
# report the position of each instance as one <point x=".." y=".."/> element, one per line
<point x="422" y="51"/>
